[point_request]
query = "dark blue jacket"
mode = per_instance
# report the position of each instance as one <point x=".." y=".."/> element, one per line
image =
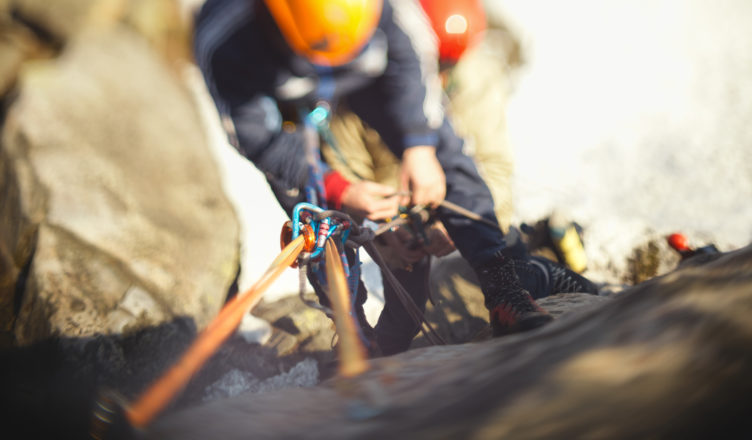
<point x="257" y="83"/>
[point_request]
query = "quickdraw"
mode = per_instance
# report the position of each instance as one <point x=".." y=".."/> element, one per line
<point x="307" y="222"/>
<point x="317" y="226"/>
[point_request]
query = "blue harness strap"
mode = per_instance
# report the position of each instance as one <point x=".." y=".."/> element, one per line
<point x="316" y="126"/>
<point x="314" y="189"/>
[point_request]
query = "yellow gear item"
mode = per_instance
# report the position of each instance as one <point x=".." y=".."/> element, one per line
<point x="327" y="32"/>
<point x="567" y="241"/>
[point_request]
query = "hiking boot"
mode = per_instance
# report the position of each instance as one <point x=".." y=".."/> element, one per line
<point x="543" y="277"/>
<point x="511" y="307"/>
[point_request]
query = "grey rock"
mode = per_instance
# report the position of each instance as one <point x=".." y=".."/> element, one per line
<point x="114" y="207"/>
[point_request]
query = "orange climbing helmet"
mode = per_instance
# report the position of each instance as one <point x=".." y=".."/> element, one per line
<point x="327" y="32"/>
<point x="459" y="24"/>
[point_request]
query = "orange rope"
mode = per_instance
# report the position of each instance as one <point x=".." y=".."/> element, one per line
<point x="352" y="355"/>
<point x="161" y="392"/>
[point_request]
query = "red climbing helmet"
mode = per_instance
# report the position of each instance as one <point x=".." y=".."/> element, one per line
<point x="459" y="24"/>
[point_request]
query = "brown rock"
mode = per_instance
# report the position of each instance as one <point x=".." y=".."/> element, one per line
<point x="669" y="358"/>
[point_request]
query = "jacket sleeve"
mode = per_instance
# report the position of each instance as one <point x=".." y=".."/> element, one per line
<point x="228" y="53"/>
<point x="410" y="82"/>
<point x="278" y="153"/>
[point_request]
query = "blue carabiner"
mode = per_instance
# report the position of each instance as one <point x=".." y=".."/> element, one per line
<point x="322" y="229"/>
<point x="296" y="217"/>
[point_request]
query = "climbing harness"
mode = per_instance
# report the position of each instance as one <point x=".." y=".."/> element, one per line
<point x="307" y="222"/>
<point x="316" y="124"/>
<point x="318" y="226"/>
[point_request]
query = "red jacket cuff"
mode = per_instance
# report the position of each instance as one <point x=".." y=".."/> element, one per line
<point x="335" y="185"/>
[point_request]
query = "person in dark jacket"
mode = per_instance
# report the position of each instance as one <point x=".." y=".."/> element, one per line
<point x="267" y="62"/>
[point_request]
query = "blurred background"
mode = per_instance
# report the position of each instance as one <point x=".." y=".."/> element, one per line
<point x="634" y="116"/>
<point x="123" y="208"/>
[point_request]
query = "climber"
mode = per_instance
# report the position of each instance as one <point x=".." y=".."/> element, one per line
<point x="268" y="63"/>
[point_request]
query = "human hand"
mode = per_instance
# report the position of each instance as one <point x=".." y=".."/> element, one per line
<point x="370" y="200"/>
<point x="422" y="174"/>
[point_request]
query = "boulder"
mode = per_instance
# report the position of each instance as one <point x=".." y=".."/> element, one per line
<point x="668" y="358"/>
<point x="63" y="19"/>
<point x="114" y="216"/>
<point x="297" y="328"/>
<point x="34" y="29"/>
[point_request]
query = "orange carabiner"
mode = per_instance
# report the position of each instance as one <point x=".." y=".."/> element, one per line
<point x="309" y="238"/>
